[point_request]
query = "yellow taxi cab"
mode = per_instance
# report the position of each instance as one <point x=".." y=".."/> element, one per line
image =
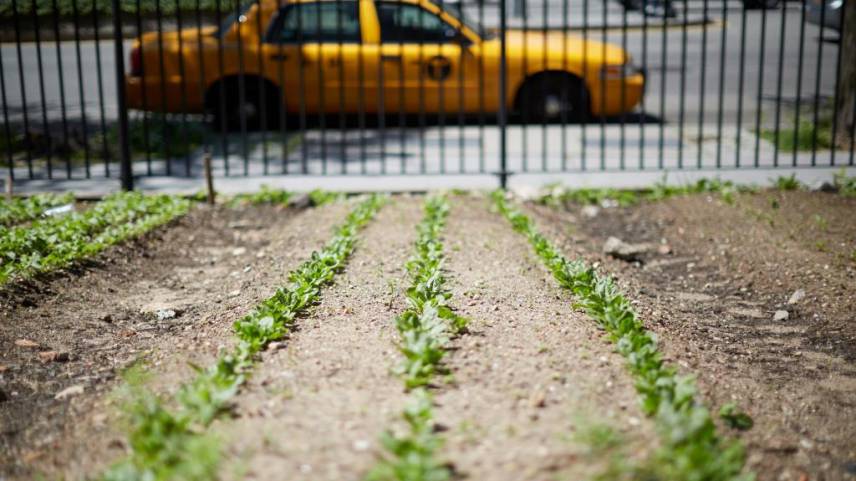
<point x="275" y="58"/>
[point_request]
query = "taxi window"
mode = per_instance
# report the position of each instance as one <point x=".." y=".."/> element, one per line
<point x="409" y="23"/>
<point x="323" y="22"/>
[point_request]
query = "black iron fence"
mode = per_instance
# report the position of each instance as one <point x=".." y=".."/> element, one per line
<point x="373" y="87"/>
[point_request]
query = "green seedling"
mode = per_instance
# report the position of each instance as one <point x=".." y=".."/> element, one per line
<point x="171" y="444"/>
<point x="691" y="449"/>
<point x="821" y="222"/>
<point x="735" y="418"/>
<point x="26" y="209"/>
<point x="845" y="185"/>
<point x="266" y="195"/>
<point x="424" y="329"/>
<point x="789" y="183"/>
<point x="55" y="242"/>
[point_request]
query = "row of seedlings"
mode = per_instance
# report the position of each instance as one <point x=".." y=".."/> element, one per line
<point x="170" y="442"/>
<point x="425" y="329"/>
<point x="691" y="448"/>
<point x="25" y="209"/>
<point x="50" y="243"/>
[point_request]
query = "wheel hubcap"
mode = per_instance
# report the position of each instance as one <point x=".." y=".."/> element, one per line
<point x="552" y="105"/>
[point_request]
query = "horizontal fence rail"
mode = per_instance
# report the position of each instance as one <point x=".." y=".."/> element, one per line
<point x="362" y="87"/>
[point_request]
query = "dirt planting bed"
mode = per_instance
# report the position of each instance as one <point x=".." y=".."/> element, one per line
<point x="753" y="296"/>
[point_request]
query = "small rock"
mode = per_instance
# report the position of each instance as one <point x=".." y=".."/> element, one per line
<point x="69" y="391"/>
<point x="273" y="346"/>
<point x="538" y="399"/>
<point x="53" y="356"/>
<point x="797" y="296"/>
<point x="827" y="187"/>
<point x="750" y="313"/>
<point x="301" y="201"/>
<point x="590" y="211"/>
<point x="107" y="318"/>
<point x="361" y="445"/>
<point x="664" y="249"/>
<point x="781" y="316"/>
<point x="239" y="251"/>
<point x="4" y="368"/>
<point x="235" y="293"/>
<point x="26" y="343"/>
<point x="164" y="314"/>
<point x="694" y="297"/>
<point x="619" y="249"/>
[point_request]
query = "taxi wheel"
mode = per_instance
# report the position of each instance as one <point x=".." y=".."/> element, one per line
<point x="552" y="98"/>
<point x="254" y="110"/>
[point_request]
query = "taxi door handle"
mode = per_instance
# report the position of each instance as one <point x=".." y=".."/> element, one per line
<point x="390" y="58"/>
<point x="279" y="56"/>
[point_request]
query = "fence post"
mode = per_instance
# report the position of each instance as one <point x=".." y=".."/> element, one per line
<point x="503" y="81"/>
<point x="126" y="174"/>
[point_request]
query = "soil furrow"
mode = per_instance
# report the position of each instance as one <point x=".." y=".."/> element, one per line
<point x="316" y="407"/>
<point x="210" y="268"/>
<point x="531" y="368"/>
<point x="711" y="298"/>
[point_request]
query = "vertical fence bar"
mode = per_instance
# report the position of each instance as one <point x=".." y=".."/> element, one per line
<point x="683" y="89"/>
<point x="6" y="128"/>
<point x="165" y="133"/>
<point x="461" y="77"/>
<point x="503" y="83"/>
<point x="584" y="93"/>
<point x="643" y="115"/>
<point x="22" y="85"/>
<point x="834" y="146"/>
<point x="481" y="96"/>
<point x="105" y="155"/>
<point x="544" y="84"/>
<point x="126" y="174"/>
<point x="242" y="88"/>
<point x="340" y="60"/>
<point x="441" y="89"/>
<point x="283" y="119"/>
<point x="221" y="91"/>
<point x="304" y="144"/>
<point x="817" y="72"/>
<point x="143" y="91"/>
<point x="702" y="92"/>
<point x="740" y="86"/>
<point x="202" y="83"/>
<point x="61" y="79"/>
<point x="179" y="24"/>
<point x="524" y="68"/>
<point x="798" y="106"/>
<point x="721" y="104"/>
<point x="758" y="106"/>
<point x="45" y="124"/>
<point x="84" y="127"/>
<point x="623" y="92"/>
<point x="563" y="131"/>
<point x="779" y="82"/>
<point x="263" y="90"/>
<point x="602" y="80"/>
<point x="663" y="61"/>
<point x="322" y="104"/>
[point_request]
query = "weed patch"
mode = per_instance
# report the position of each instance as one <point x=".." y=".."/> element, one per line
<point x="166" y="444"/>
<point x="691" y="449"/>
<point x="424" y="329"/>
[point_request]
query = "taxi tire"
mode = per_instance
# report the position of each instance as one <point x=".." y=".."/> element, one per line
<point x="252" y="99"/>
<point x="539" y="90"/>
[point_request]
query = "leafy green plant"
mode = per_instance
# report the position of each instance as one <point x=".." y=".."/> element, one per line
<point x="162" y="439"/>
<point x="556" y="195"/>
<point x="691" y="449"/>
<point x="55" y="242"/>
<point x="265" y="195"/>
<point x="787" y="183"/>
<point x="25" y="209"/>
<point x="412" y="457"/>
<point x="424" y="328"/>
<point x="735" y="418"/>
<point x="845" y="185"/>
<point x="320" y="197"/>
